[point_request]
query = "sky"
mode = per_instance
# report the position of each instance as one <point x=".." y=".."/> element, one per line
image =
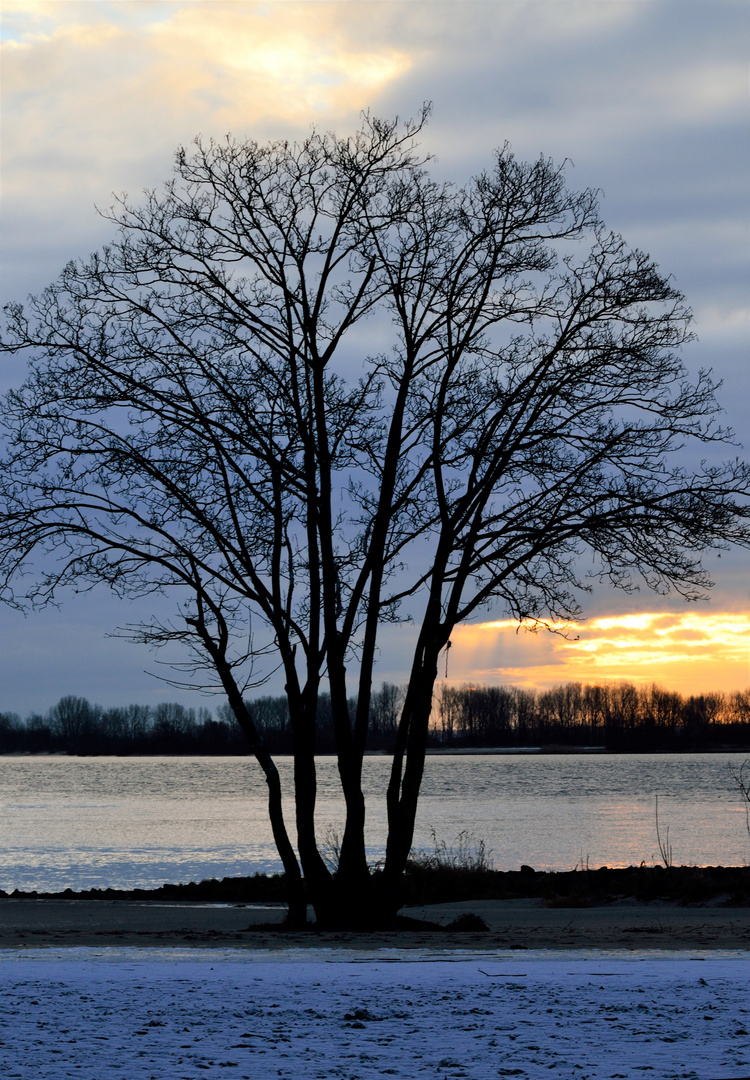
<point x="648" y="101"/>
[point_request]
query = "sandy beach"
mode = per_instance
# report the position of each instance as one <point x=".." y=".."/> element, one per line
<point x="512" y="924"/>
<point x="148" y="989"/>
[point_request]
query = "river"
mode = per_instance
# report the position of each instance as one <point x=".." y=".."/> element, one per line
<point x="139" y="822"/>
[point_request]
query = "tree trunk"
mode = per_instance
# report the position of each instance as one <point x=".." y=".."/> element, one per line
<point x="296" y="899"/>
<point x="318" y="878"/>
<point x="406" y="779"/>
<point x="297" y="913"/>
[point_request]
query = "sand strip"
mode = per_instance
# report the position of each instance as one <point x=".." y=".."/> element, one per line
<point x="513" y="924"/>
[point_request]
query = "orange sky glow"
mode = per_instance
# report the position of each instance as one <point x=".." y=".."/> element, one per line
<point x="690" y="652"/>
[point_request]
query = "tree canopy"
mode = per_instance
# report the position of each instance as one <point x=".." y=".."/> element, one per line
<point x="309" y="391"/>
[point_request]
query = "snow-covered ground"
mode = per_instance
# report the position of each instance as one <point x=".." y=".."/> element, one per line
<point x="132" y="1015"/>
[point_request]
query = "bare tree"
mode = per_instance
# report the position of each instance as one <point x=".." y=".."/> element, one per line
<point x="385" y="706"/>
<point x="203" y="418"/>
<point x="73" y="719"/>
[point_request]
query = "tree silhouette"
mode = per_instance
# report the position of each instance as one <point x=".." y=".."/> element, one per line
<point x="309" y="391"/>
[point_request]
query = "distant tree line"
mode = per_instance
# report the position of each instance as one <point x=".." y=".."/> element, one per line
<point x="75" y="726"/>
<point x="620" y="717"/>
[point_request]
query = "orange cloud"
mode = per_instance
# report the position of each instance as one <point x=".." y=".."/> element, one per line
<point x="690" y="652"/>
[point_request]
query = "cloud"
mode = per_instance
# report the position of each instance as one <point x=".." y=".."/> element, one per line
<point x="649" y="101"/>
<point x="289" y="61"/>
<point x="123" y="80"/>
<point x="96" y="97"/>
<point x="689" y="651"/>
<point x="724" y="323"/>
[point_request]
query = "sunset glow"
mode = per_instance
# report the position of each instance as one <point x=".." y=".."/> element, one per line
<point x="690" y="652"/>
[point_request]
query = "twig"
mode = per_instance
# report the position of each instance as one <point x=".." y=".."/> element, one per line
<point x="665" y="847"/>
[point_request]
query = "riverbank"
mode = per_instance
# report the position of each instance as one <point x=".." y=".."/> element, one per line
<point x="430" y="880"/>
<point x="447" y="908"/>
<point x="741" y="746"/>
<point x="483" y="925"/>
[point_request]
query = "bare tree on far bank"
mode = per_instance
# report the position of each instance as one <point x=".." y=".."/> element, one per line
<point x="619" y="717"/>
<point x="309" y="391"/>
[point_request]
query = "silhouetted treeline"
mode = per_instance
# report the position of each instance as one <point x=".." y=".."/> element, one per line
<point x="75" y="726"/>
<point x="619" y="717"/>
<point x="271" y="715"/>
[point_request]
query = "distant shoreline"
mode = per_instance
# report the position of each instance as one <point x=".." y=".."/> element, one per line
<point x="552" y="750"/>
<point x="561" y="748"/>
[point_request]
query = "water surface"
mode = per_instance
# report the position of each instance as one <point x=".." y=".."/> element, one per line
<point x="139" y="822"/>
